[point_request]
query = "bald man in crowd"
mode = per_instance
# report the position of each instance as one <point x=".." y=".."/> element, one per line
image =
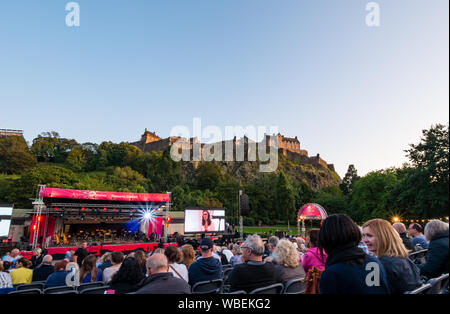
<point x="42" y="272"/>
<point x="401" y="230"/>
<point x="160" y="280"/>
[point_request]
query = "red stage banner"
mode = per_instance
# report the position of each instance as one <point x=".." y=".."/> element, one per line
<point x="104" y="196"/>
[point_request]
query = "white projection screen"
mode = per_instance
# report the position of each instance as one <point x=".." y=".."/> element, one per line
<point x="5" y="219"/>
<point x="205" y="220"/>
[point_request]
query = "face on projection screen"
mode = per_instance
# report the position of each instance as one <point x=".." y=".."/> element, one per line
<point x="5" y="222"/>
<point x="199" y="220"/>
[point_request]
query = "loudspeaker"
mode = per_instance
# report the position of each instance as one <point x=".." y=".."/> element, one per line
<point x="244" y="205"/>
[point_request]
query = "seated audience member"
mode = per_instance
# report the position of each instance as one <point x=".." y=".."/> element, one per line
<point x="6" y="284"/>
<point x="37" y="258"/>
<point x="272" y="244"/>
<point x="69" y="254"/>
<point x="216" y="253"/>
<point x="160" y="280"/>
<point x="287" y="266"/>
<point x="227" y="253"/>
<point x="58" y="277"/>
<point x="416" y="231"/>
<point x="42" y="272"/>
<point x="313" y="257"/>
<point x="401" y="230"/>
<point x="127" y="278"/>
<point x="22" y="273"/>
<point x="141" y="258"/>
<point x="105" y="261"/>
<point x="237" y="255"/>
<point x="13" y="257"/>
<point x="436" y="232"/>
<point x="362" y="245"/>
<point x="207" y="267"/>
<point x="345" y="270"/>
<point x="116" y="260"/>
<point x="187" y="255"/>
<point x="383" y="241"/>
<point x="173" y="257"/>
<point x="89" y="271"/>
<point x="254" y="272"/>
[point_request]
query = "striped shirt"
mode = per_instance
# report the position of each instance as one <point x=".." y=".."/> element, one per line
<point x="5" y="280"/>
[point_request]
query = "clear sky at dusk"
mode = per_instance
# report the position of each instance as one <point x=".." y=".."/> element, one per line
<point x="355" y="94"/>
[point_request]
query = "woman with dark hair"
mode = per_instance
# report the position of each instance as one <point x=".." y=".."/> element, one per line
<point x="173" y="257"/>
<point x="206" y="220"/>
<point x="127" y="278"/>
<point x="313" y="257"/>
<point x="89" y="271"/>
<point x="348" y="270"/>
<point x="140" y="257"/>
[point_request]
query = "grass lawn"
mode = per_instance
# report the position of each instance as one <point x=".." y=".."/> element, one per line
<point x="292" y="230"/>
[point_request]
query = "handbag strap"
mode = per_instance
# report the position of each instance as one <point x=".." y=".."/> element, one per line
<point x="176" y="272"/>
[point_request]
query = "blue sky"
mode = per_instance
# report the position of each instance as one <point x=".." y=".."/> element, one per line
<point x="355" y="94"/>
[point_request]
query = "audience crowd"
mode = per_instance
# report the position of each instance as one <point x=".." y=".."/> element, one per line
<point x="340" y="250"/>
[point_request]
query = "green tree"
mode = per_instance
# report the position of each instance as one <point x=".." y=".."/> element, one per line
<point x="16" y="162"/>
<point x="208" y="176"/>
<point x="349" y="179"/>
<point x="285" y="200"/>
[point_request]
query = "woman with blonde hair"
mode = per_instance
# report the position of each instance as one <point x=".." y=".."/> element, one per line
<point x="187" y="255"/>
<point x="383" y="241"/>
<point x="286" y="259"/>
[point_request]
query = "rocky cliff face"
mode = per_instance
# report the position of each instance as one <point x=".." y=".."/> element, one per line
<point x="317" y="177"/>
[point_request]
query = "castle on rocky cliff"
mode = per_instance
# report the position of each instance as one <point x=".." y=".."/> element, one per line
<point x="289" y="147"/>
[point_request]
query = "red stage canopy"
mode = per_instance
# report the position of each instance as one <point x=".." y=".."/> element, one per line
<point x="106" y="196"/>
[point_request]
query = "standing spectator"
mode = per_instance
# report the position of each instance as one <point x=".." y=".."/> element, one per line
<point x="382" y="240"/>
<point x="254" y="272"/>
<point x="89" y="271"/>
<point x="42" y="272"/>
<point x="207" y="267"/>
<point x="6" y="284"/>
<point x="160" y="280"/>
<point x="187" y="255"/>
<point x="436" y="232"/>
<point x="313" y="257"/>
<point x="80" y="254"/>
<point x="127" y="278"/>
<point x="237" y="255"/>
<point x="401" y="230"/>
<point x="287" y="266"/>
<point x="416" y="231"/>
<point x="58" y="278"/>
<point x="345" y="270"/>
<point x="173" y="257"/>
<point x="37" y="258"/>
<point x="22" y="273"/>
<point x="116" y="259"/>
<point x="105" y="261"/>
<point x="139" y="255"/>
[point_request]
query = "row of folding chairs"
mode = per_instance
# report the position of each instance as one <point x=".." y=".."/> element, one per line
<point x="295" y="286"/>
<point x="438" y="285"/>
<point x="418" y="257"/>
<point x="38" y="288"/>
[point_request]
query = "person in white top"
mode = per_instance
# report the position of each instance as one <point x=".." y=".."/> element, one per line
<point x="174" y="256"/>
<point x="116" y="260"/>
<point x="228" y="254"/>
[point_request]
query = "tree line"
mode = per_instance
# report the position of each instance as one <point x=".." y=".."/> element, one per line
<point x="417" y="189"/>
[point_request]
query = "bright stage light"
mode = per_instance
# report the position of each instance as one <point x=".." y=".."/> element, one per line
<point x="147" y="216"/>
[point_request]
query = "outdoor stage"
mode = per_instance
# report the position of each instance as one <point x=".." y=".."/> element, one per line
<point x="59" y="252"/>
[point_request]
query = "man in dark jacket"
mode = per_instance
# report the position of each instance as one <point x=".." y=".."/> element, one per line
<point x="401" y="230"/>
<point x="160" y="280"/>
<point x="436" y="264"/>
<point x="207" y="267"/>
<point x="254" y="272"/>
<point x="42" y="272"/>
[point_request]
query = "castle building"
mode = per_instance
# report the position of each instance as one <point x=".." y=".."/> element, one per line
<point x="9" y="132"/>
<point x="289" y="147"/>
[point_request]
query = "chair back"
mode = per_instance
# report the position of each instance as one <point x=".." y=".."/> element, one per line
<point x="237" y="292"/>
<point x="226" y="274"/>
<point x="67" y="292"/>
<point x="29" y="291"/>
<point x="295" y="286"/>
<point x="208" y="287"/>
<point x="418" y="257"/>
<point x="54" y="290"/>
<point x="421" y="290"/>
<point x="96" y="290"/>
<point x="276" y="288"/>
<point x="89" y="285"/>
<point x="33" y="285"/>
<point x="438" y="284"/>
